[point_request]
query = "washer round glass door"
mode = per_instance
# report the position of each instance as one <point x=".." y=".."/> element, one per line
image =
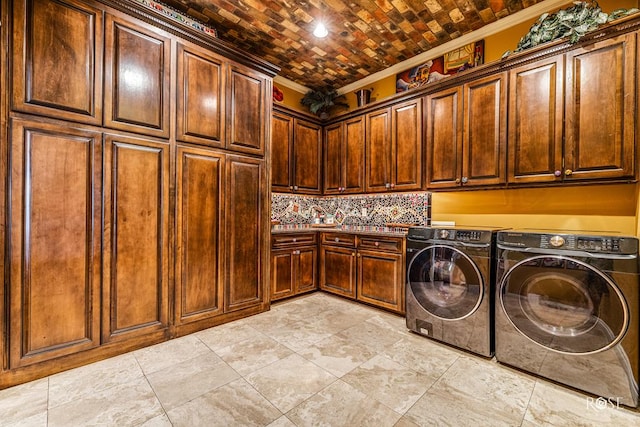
<point x="564" y="304"/>
<point x="446" y="282"/>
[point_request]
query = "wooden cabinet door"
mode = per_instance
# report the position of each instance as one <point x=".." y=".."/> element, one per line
<point x="380" y="279"/>
<point x="344" y="157"/>
<point x="247" y="110"/>
<point x="244" y="224"/>
<point x="54" y="242"/>
<point x="353" y="157"/>
<point x="444" y="113"/>
<point x="338" y="270"/>
<point x="135" y="293"/>
<point x="57" y="59"/>
<point x="137" y="78"/>
<point x="306" y="270"/>
<point x="199" y="244"/>
<point x="281" y="155"/>
<point x="333" y="169"/>
<point x="485" y="122"/>
<point x="199" y="97"/>
<point x="406" y="140"/>
<point x="600" y="110"/>
<point x="282" y="274"/>
<point x="378" y="151"/>
<point x="307" y="157"/>
<point x="535" y="124"/>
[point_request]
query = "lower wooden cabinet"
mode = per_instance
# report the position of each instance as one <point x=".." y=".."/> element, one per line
<point x="54" y="242"/>
<point x="367" y="268"/>
<point x="294" y="266"/>
<point x="135" y="287"/>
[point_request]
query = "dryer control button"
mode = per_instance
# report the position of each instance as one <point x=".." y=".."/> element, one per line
<point x="556" y="241"/>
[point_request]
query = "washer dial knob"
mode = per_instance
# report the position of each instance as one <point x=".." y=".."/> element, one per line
<point x="556" y="241"/>
<point x="444" y="234"/>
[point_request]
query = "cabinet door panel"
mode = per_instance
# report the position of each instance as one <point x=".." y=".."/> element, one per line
<point x="199" y="208"/>
<point x="137" y="78"/>
<point x="444" y="138"/>
<point x="244" y="226"/>
<point x="247" y="110"/>
<point x="380" y="279"/>
<point x="406" y="160"/>
<point x="333" y="159"/>
<point x="136" y="266"/>
<point x="338" y="271"/>
<point x="282" y="274"/>
<point x="57" y="59"/>
<point x="306" y="270"/>
<point x="307" y="152"/>
<point x="485" y="123"/>
<point x="200" y="97"/>
<point x="378" y="148"/>
<point x="535" y="121"/>
<point x="353" y="163"/>
<point x="281" y="144"/>
<point x="600" y="110"/>
<point x="55" y="242"/>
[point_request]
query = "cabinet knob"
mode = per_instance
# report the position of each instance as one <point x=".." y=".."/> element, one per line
<point x="392" y="185"/>
<point x="457" y="180"/>
<point x="377" y="243"/>
<point x="295" y="187"/>
<point x="568" y="172"/>
<point x="358" y="255"/>
<point x="294" y="240"/>
<point x="465" y="179"/>
<point x="353" y="254"/>
<point x="291" y="187"/>
<point x="558" y="173"/>
<point x="387" y="185"/>
<point x="337" y="239"/>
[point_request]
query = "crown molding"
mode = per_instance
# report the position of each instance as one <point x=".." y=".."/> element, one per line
<point x="495" y="27"/>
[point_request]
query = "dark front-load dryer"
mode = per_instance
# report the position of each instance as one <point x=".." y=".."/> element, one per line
<point x="567" y="309"/>
<point x="449" y="286"/>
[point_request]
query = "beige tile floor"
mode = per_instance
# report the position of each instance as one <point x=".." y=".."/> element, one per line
<point x="317" y="360"/>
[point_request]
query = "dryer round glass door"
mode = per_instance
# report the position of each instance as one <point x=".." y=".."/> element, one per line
<point x="564" y="304"/>
<point x="446" y="282"/>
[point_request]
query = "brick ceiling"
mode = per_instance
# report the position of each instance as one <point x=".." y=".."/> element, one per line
<point x="364" y="36"/>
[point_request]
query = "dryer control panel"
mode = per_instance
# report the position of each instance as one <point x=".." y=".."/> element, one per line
<point x="565" y="242"/>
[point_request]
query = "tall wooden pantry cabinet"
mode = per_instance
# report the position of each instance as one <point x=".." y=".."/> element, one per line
<point x="135" y="212"/>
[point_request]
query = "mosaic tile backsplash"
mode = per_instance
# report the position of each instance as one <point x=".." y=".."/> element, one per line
<point x="374" y="210"/>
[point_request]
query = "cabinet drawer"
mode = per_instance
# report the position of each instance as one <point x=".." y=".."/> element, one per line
<point x="290" y="240"/>
<point x="389" y="244"/>
<point x="339" y="239"/>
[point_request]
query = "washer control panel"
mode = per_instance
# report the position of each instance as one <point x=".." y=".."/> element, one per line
<point x="577" y="242"/>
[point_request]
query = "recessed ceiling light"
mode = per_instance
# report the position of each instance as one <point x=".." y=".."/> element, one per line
<point x="320" y="31"/>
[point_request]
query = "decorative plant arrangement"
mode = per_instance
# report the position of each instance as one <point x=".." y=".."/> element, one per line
<point x="573" y="23"/>
<point x="321" y="102"/>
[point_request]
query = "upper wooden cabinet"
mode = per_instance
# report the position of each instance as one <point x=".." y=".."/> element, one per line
<point x="593" y="102"/>
<point x="536" y="121"/>
<point x="200" y="97"/>
<point x="344" y="157"/>
<point x="135" y="290"/>
<point x="57" y="59"/>
<point x="137" y="77"/>
<point x="55" y="243"/>
<point x="600" y="110"/>
<point x="247" y="110"/>
<point x="394" y="148"/>
<point x="296" y="152"/>
<point x="466" y="134"/>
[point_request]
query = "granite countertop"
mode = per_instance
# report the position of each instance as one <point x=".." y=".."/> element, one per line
<point x="354" y="229"/>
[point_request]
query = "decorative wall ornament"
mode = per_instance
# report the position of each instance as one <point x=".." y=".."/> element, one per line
<point x="450" y="63"/>
<point x="178" y="17"/>
<point x="369" y="210"/>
